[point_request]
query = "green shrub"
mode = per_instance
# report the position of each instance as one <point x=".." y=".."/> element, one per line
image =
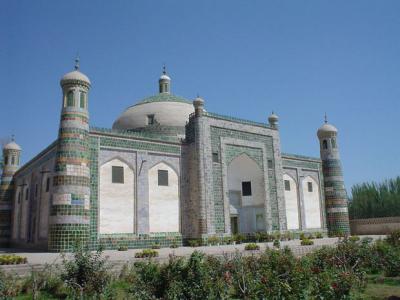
<point x="394" y="238"/>
<point x="252" y="246"/>
<point x="228" y="240"/>
<point x="86" y="270"/>
<point x="156" y="246"/>
<point x="122" y="248"/>
<point x="213" y="240"/>
<point x="194" y="243"/>
<point x="145" y="253"/>
<point x="302" y="236"/>
<point x="354" y="238"/>
<point x="277" y="244"/>
<point x="12" y="259"/>
<point x="239" y="238"/>
<point x="174" y="245"/>
<point x="318" y="235"/>
<point x="307" y="242"/>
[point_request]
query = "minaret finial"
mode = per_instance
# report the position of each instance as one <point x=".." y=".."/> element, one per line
<point x="164" y="69"/>
<point x="12" y="137"/>
<point x="77" y="62"/>
<point x="326" y="118"/>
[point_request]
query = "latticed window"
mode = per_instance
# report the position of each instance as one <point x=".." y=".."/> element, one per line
<point x="310" y="187"/>
<point x="163" y="177"/>
<point x="82" y="100"/>
<point x="270" y="164"/>
<point x="246" y="188"/>
<point x="117" y="174"/>
<point x="287" y="185"/>
<point x="70" y="98"/>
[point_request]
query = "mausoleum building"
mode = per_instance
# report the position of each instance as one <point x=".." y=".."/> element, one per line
<point x="167" y="171"/>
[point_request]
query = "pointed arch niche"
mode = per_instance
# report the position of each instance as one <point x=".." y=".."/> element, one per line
<point x="312" y="207"/>
<point x="163" y="199"/>
<point x="291" y="202"/>
<point x="116" y="205"/>
<point x="246" y="195"/>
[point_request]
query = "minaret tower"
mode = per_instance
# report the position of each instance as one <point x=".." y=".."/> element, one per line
<point x="11" y="155"/>
<point x="164" y="82"/>
<point x="335" y="192"/>
<point x="70" y="215"/>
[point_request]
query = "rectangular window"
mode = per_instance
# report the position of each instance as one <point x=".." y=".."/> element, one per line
<point x="246" y="188"/>
<point x="150" y="119"/>
<point x="163" y="177"/>
<point x="310" y="188"/>
<point x="270" y="164"/>
<point x="47" y="184"/>
<point x="36" y="190"/>
<point x="215" y="157"/>
<point x="287" y="185"/>
<point x="26" y="194"/>
<point x="6" y="160"/>
<point x="117" y="174"/>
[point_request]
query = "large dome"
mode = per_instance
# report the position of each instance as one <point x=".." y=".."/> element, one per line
<point x="163" y="113"/>
<point x="160" y="110"/>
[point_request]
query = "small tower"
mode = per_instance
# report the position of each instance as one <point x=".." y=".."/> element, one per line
<point x="11" y="156"/>
<point x="273" y="120"/>
<point x="164" y="82"/>
<point x="335" y="192"/>
<point x="69" y="218"/>
<point x="198" y="104"/>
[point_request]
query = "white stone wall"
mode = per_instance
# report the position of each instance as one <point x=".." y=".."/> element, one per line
<point x="163" y="200"/>
<point x="312" y="208"/>
<point x="292" y="204"/>
<point x="116" y="200"/>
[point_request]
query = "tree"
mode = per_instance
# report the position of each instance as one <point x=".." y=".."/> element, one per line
<point x="375" y="200"/>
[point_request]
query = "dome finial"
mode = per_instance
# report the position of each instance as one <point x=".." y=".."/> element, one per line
<point x="12" y="138"/>
<point x="77" y="62"/>
<point x="326" y="118"/>
<point x="164" y="69"/>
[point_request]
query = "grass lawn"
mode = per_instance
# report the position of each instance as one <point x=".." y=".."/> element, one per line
<point x="379" y="288"/>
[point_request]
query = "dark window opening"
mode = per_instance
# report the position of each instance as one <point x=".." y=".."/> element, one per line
<point x="36" y="190"/>
<point x="150" y="120"/>
<point x="310" y="187"/>
<point x="117" y="174"/>
<point x="324" y="144"/>
<point x="215" y="157"/>
<point x="26" y="194"/>
<point x="163" y="177"/>
<point x="270" y="164"/>
<point x="287" y="185"/>
<point x="47" y="184"/>
<point x="6" y="160"/>
<point x="19" y="197"/>
<point x="246" y="188"/>
<point x="13" y="160"/>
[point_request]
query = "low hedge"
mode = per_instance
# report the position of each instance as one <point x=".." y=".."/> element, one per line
<point x="252" y="246"/>
<point x="12" y="259"/>
<point x="146" y="253"/>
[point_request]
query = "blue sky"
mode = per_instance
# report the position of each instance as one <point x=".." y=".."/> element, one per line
<point x="245" y="58"/>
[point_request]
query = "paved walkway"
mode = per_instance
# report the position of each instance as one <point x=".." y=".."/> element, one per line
<point x="38" y="260"/>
